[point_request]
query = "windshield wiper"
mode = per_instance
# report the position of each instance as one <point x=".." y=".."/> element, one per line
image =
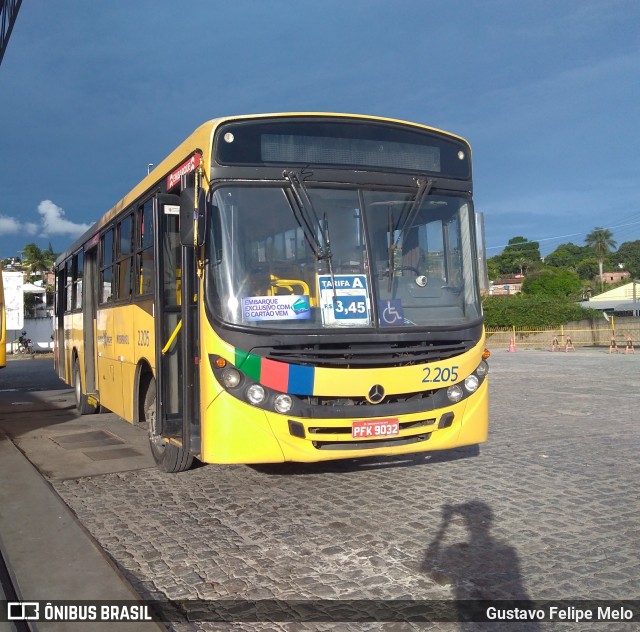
<point x="303" y="212"/>
<point x="307" y="218"/>
<point x="405" y="219"/>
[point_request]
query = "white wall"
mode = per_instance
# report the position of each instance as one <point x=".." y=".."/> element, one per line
<point x="39" y="330"/>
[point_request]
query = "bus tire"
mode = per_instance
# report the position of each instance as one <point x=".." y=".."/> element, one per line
<point x="168" y="456"/>
<point x="82" y="404"/>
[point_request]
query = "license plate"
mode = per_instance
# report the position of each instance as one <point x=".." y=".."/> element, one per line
<point x="372" y="428"/>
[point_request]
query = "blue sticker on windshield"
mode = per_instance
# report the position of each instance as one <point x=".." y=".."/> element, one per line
<point x="390" y="312"/>
<point x="289" y="307"/>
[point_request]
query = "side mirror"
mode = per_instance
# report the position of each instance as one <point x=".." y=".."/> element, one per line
<point x="192" y="217"/>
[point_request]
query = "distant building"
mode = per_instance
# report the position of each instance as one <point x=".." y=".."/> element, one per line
<point x="615" y="277"/>
<point x="622" y="300"/>
<point x="506" y="285"/>
<point x="11" y="263"/>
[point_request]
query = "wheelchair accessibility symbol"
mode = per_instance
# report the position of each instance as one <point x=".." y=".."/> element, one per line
<point x="390" y="312"/>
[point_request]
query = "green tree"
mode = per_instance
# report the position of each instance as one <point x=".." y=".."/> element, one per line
<point x="521" y="263"/>
<point x="588" y="268"/>
<point x="49" y="254"/>
<point x="628" y="254"/>
<point x="493" y="268"/>
<point x="553" y="283"/>
<point x="36" y="260"/>
<point x="601" y="241"/>
<point x="518" y="248"/>
<point x="533" y="311"/>
<point x="567" y="256"/>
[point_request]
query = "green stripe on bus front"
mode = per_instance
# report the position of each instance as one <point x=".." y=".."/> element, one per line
<point x="249" y="364"/>
<point x="241" y="356"/>
<point x="252" y="367"/>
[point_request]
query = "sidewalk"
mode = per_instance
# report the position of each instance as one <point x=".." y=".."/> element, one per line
<point x="49" y="553"/>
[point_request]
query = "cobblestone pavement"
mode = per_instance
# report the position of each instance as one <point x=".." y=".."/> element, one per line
<point x="548" y="510"/>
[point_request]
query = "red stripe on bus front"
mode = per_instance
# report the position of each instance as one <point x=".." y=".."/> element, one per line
<point x="275" y="375"/>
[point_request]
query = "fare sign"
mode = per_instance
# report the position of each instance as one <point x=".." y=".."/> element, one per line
<point x="373" y="428"/>
<point x="186" y="167"/>
<point x="344" y="300"/>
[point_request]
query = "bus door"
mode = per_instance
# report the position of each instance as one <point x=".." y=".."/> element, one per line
<point x="3" y="326"/>
<point x="175" y="329"/>
<point x="61" y="343"/>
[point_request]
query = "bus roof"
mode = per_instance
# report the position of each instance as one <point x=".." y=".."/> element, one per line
<point x="201" y="139"/>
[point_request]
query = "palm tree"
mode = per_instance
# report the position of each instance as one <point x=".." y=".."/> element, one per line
<point x="602" y="242"/>
<point x="522" y="263"/>
<point x="37" y="260"/>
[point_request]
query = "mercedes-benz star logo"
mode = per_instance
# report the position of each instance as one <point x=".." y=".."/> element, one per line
<point x="375" y="394"/>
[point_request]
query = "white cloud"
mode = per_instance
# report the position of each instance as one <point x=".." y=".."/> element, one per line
<point x="53" y="222"/>
<point x="9" y="225"/>
<point x="12" y="226"/>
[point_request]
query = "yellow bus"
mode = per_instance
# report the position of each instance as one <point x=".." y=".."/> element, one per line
<point x="285" y="287"/>
<point x="3" y="325"/>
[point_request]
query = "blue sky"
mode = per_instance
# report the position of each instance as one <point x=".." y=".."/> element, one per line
<point x="546" y="92"/>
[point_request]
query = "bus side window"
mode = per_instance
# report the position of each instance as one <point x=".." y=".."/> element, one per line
<point x="106" y="266"/>
<point x="77" y="279"/>
<point x="68" y="285"/>
<point x="144" y="249"/>
<point x="124" y="258"/>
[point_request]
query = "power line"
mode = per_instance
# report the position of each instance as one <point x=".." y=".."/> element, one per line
<point x="529" y="241"/>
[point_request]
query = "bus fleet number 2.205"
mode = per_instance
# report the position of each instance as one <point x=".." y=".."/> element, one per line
<point x="438" y="374"/>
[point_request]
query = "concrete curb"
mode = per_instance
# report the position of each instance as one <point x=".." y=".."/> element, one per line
<point x="50" y="554"/>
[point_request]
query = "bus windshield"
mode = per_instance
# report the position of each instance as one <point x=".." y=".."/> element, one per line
<point x="357" y="257"/>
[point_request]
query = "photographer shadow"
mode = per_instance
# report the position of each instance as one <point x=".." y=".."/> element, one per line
<point x="478" y="567"/>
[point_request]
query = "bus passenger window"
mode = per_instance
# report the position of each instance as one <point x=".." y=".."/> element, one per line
<point x="124" y="278"/>
<point x="123" y="256"/>
<point x="77" y="279"/>
<point x="68" y="284"/>
<point x="106" y="267"/>
<point x="144" y="249"/>
<point x="145" y="272"/>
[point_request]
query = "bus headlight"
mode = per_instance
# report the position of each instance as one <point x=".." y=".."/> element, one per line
<point x="283" y="403"/>
<point x="230" y="377"/>
<point x="455" y="393"/>
<point x="471" y="383"/>
<point x="483" y="369"/>
<point x="255" y="394"/>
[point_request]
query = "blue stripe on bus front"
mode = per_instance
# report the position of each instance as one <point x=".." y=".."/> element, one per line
<point x="301" y="379"/>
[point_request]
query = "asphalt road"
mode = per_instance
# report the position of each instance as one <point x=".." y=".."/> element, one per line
<point x="547" y="510"/>
<point x="30" y="374"/>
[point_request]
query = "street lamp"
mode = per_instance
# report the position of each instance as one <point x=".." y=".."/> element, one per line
<point x="635" y="311"/>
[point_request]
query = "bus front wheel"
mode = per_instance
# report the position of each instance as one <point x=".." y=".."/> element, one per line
<point x="168" y="456"/>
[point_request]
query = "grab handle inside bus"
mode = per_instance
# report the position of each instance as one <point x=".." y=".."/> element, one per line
<point x="172" y="338"/>
<point x="192" y="217"/>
